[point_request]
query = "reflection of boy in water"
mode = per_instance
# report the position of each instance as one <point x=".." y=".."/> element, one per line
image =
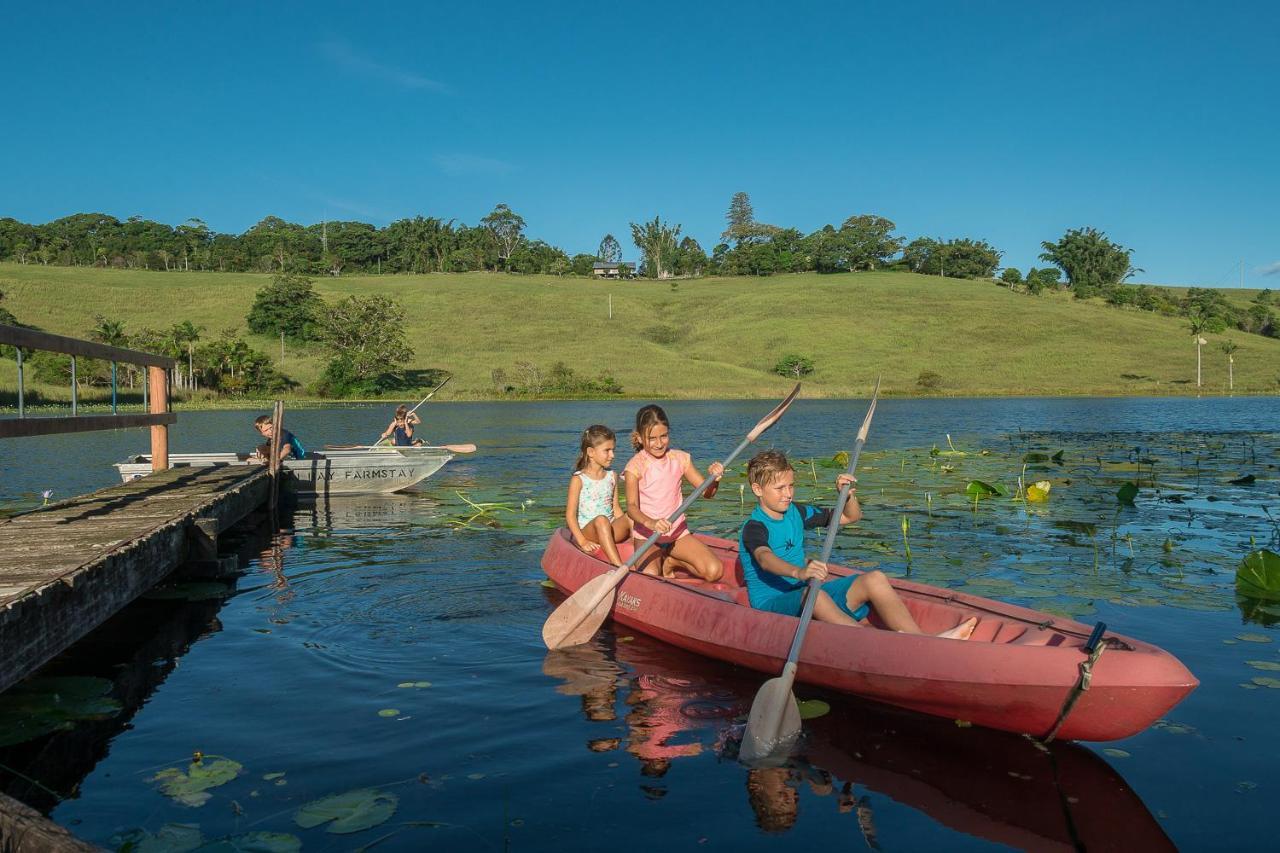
<point x="272" y="561"/>
<point x="774" y="801"/>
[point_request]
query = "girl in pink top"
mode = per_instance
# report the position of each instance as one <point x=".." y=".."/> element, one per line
<point x="653" y="480"/>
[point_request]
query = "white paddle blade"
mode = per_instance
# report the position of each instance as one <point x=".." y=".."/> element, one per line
<point x="580" y="615"/>
<point x="774" y="722"/>
<point x="871" y="410"/>
<point x="459" y="448"/>
<point x="773" y="416"/>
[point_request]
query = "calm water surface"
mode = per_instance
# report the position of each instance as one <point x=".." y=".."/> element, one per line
<point x="298" y="671"/>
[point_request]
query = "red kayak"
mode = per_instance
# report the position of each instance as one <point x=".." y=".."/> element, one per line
<point x="1015" y="673"/>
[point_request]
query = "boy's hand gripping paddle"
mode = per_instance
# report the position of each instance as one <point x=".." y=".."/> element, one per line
<point x="579" y="616"/>
<point x="774" y="722"/>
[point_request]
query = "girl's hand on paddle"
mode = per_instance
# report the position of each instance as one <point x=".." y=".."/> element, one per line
<point x="813" y="569"/>
<point x="849" y="480"/>
<point x="716" y="470"/>
<point x="661" y="525"/>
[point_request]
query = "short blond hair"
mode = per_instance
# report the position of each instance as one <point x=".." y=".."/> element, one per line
<point x="766" y="465"/>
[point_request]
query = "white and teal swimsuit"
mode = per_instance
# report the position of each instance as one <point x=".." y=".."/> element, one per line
<point x="596" y="497"/>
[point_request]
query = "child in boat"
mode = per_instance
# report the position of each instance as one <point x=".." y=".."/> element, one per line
<point x="290" y="447"/>
<point x="592" y="514"/>
<point x="400" y="431"/>
<point x="653" y="478"/>
<point x="771" y="546"/>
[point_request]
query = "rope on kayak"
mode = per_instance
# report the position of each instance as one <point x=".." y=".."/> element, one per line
<point x="1095" y="647"/>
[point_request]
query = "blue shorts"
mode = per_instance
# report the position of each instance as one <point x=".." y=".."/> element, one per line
<point x="790" y="603"/>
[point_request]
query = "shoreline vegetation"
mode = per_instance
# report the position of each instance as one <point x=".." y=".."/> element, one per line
<point x="528" y="337"/>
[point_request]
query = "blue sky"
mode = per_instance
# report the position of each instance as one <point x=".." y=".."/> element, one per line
<point x="1009" y="122"/>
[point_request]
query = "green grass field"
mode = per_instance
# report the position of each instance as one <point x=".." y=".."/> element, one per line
<point x="703" y="338"/>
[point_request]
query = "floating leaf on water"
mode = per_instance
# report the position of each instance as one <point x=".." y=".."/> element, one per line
<point x="1167" y="546"/>
<point x="1253" y="638"/>
<point x="475" y="777"/>
<point x="1249" y="686"/>
<point x="350" y="812"/>
<point x="1268" y="665"/>
<point x="192" y="591"/>
<point x="192" y="787"/>
<point x="1035" y="458"/>
<point x="841" y="459"/>
<point x="389" y="712"/>
<point x="1057" y="457"/>
<point x="1243" y="787"/>
<point x="1126" y="493"/>
<point x="405" y="684"/>
<point x="1246" y="480"/>
<point x="421" y="684"/>
<point x="170" y="838"/>
<point x="979" y="489"/>
<point x="269" y="776"/>
<point x="548" y="583"/>
<point x="1038" y="492"/>
<point x="39" y="706"/>
<point x="812" y="708"/>
<point x="1266" y="681"/>
<point x="255" y="842"/>
<point x="1259" y="575"/>
<point x="1115" y="753"/>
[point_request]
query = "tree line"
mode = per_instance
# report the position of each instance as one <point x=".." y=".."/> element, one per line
<point x="1084" y="260"/>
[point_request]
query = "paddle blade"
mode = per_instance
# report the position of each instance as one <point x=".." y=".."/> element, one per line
<point x="871" y="410"/>
<point x="774" y="722"/>
<point x="580" y="615"/>
<point x="459" y="448"/>
<point x="773" y="416"/>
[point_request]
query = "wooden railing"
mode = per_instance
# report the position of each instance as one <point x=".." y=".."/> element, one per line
<point x="155" y="391"/>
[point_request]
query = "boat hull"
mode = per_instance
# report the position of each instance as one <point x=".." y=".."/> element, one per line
<point x="331" y="472"/>
<point x="1015" y="674"/>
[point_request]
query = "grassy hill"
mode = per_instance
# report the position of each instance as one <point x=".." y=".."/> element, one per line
<point x="703" y="338"/>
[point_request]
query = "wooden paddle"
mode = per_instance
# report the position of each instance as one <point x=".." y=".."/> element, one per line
<point x="774" y="720"/>
<point x="578" y="618"/>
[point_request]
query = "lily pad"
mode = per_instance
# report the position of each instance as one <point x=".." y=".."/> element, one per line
<point x="1267" y="665"/>
<point x="1259" y="575"/>
<point x="39" y="706"/>
<point x="1253" y="638"/>
<point x="1035" y="458"/>
<point x="170" y="838"/>
<point x="812" y="708"/>
<point x="1266" y="681"/>
<point x="548" y="583"/>
<point x="418" y="684"/>
<point x="389" y="712"/>
<point x="979" y="489"/>
<point x="192" y="787"/>
<point x="1126" y="493"/>
<point x="255" y="842"/>
<point x="1246" y="480"/>
<point x="1115" y="753"/>
<point x="193" y="591"/>
<point x="1038" y="492"/>
<point x="353" y="811"/>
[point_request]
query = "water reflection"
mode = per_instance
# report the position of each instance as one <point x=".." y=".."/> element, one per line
<point x="986" y="784"/>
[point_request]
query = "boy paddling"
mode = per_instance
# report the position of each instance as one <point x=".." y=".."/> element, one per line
<point x="771" y="546"/>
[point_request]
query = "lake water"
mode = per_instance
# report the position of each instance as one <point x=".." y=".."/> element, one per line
<point x="392" y="643"/>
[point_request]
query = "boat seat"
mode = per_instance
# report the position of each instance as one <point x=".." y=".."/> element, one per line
<point x="1039" y="637"/>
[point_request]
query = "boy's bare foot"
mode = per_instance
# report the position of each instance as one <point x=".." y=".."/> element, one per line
<point x="961" y="631"/>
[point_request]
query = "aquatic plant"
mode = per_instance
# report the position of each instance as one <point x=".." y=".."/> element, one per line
<point x="353" y="811"/>
<point x="1259" y="575"/>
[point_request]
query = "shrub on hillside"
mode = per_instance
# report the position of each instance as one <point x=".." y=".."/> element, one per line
<point x="289" y="305"/>
<point x="929" y="381"/>
<point x="794" y="366"/>
<point x="529" y="380"/>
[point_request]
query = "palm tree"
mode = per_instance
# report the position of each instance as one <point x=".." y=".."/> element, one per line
<point x="186" y="334"/>
<point x="1228" y="348"/>
<point x="1198" y="323"/>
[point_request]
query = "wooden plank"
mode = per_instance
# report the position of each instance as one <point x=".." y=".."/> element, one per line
<point x="31" y="339"/>
<point x="23" y="427"/>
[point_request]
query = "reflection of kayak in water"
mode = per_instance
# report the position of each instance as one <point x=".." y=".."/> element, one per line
<point x="987" y="784"/>
<point x="1015" y="673"/>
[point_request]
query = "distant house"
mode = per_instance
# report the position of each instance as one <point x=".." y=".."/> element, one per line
<point x="624" y="269"/>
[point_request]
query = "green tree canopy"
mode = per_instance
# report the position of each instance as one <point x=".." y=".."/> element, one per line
<point x="657" y="242"/>
<point x="367" y="344"/>
<point x="507" y="228"/>
<point x="1090" y="261"/>
<point x="289" y="305"/>
<point x="610" y="250"/>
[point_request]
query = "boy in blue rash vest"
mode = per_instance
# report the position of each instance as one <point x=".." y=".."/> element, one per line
<point x="771" y="546"/>
<point x="290" y="447"/>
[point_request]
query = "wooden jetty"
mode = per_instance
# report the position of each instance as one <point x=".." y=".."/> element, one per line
<point x="66" y="568"/>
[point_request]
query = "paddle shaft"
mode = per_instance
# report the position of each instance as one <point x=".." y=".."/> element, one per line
<point x="420" y="402"/>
